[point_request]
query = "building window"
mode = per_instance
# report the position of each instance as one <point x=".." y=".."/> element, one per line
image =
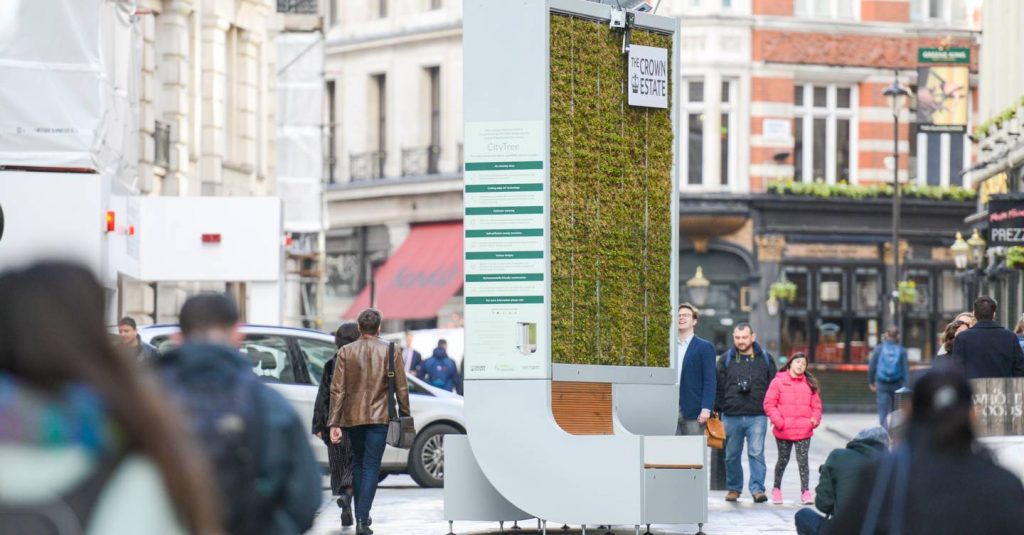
<point x="727" y="131"/>
<point x="694" y="150"/>
<point x="825" y="9"/>
<point x="230" y="115"/>
<point x="824" y="141"/>
<point x="435" y="4"/>
<point x="371" y="164"/>
<point x="334" y="6"/>
<point x="332" y="132"/>
<point x="946" y="11"/>
<point x="379" y="9"/>
<point x="434" y="147"/>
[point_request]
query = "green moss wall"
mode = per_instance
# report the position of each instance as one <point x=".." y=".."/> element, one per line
<point x="611" y="204"/>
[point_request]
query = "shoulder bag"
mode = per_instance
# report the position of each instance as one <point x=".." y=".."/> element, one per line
<point x="715" y="432"/>
<point x="401" y="429"/>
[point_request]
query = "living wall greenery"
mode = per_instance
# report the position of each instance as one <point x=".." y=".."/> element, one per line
<point x="611" y="199"/>
<point x="843" y="190"/>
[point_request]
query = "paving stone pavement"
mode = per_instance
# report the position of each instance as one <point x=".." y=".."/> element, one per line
<point x="402" y="508"/>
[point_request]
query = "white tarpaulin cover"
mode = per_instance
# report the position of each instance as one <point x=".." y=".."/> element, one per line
<point x="300" y="165"/>
<point x="68" y="94"/>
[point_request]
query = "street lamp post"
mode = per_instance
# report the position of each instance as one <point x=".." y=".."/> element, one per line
<point x="896" y="97"/>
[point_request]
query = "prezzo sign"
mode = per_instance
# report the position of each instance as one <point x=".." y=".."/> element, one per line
<point x="648" y="76"/>
<point x="1005" y="221"/>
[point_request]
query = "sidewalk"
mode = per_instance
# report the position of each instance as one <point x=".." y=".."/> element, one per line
<point x="402" y="508"/>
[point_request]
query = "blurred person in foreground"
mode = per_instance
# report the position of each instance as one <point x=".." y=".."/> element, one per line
<point x="268" y="479"/>
<point x="338" y="455"/>
<point x="838" y="476"/>
<point x="359" y="405"/>
<point x="131" y="343"/>
<point x="82" y="431"/>
<point x="940" y="480"/>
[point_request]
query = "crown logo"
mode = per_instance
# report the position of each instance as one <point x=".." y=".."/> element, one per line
<point x="635" y="82"/>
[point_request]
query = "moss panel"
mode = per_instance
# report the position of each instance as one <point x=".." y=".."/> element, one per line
<point x="611" y="203"/>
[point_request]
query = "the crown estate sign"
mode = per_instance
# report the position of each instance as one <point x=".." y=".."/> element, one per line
<point x="648" y="76"/>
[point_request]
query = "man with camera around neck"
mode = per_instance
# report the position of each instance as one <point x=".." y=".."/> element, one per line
<point x="744" y="373"/>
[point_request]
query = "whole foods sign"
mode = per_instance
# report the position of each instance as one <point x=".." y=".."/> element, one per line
<point x="648" y="76"/>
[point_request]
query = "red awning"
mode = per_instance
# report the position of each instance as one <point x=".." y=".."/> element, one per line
<point x="422" y="275"/>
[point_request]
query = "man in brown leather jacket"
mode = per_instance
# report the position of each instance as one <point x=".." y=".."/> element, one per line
<point x="359" y="404"/>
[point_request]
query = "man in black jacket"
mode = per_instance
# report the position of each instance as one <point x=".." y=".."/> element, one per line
<point x="839" y="477"/>
<point x="988" y="349"/>
<point x="132" y="344"/>
<point x="744" y="373"/>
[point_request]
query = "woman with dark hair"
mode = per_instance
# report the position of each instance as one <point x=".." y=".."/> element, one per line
<point x="954" y="328"/>
<point x="793" y="405"/>
<point x="82" y="428"/>
<point x="940" y="480"/>
<point x="338" y="455"/>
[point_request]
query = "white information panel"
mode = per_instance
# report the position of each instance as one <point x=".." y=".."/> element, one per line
<point x="505" y="242"/>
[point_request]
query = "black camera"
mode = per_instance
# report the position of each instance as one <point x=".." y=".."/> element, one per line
<point x="744" y="386"/>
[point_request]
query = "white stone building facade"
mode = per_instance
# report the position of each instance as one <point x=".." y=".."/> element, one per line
<point x="207" y="100"/>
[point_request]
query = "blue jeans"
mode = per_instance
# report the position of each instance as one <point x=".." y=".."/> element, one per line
<point x="368" y="442"/>
<point x="753" y="429"/>
<point x="808" y="521"/>
<point x="886" y="395"/>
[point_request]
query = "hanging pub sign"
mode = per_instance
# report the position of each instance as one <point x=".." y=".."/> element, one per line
<point x="648" y="76"/>
<point x="943" y="89"/>
<point x="1006" y="220"/>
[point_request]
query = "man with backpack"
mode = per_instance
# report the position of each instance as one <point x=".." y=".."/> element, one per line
<point x="268" y="480"/>
<point x="888" y="371"/>
<point x="744" y="373"/>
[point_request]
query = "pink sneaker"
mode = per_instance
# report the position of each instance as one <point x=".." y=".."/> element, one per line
<point x="807" y="498"/>
<point x="776" y="495"/>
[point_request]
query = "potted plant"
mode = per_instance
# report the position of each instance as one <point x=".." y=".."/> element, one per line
<point x="782" y="291"/>
<point x="1015" y="257"/>
<point x="907" y="292"/>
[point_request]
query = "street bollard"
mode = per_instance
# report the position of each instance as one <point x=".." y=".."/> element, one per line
<point x="717" y="469"/>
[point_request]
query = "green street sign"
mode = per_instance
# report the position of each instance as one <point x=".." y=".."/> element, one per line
<point x="943" y="55"/>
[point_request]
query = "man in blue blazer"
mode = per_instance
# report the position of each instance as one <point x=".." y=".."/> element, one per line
<point x="697" y="376"/>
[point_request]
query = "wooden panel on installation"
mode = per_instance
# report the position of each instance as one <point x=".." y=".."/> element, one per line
<point x="582" y="408"/>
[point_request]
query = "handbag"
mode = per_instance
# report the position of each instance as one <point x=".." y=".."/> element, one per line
<point x="715" y="432"/>
<point x="401" y="429"/>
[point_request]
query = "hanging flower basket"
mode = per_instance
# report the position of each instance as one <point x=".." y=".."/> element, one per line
<point x="1015" y="257"/>
<point x="782" y="291"/>
<point x="908" y="292"/>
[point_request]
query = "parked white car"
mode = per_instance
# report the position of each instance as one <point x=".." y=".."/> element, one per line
<point x="299" y="356"/>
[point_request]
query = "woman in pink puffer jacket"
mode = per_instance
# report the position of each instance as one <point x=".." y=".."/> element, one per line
<point x="794" y="408"/>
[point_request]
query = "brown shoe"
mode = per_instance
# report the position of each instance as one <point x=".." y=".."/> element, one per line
<point x="760" y="497"/>
<point x="732" y="496"/>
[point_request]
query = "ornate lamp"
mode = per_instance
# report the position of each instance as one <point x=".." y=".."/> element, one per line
<point x="698" y="287"/>
<point x="977" y="245"/>
<point x="960" y="250"/>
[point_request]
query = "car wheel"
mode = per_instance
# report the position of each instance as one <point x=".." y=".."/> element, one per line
<point x="426" y="458"/>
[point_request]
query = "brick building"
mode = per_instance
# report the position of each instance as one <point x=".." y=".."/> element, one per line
<point x="791" y="91"/>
